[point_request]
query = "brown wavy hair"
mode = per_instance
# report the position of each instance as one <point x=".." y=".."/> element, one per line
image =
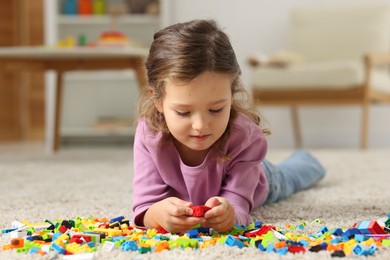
<point x="182" y="52"/>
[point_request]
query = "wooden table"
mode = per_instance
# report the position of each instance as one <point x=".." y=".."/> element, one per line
<point x="62" y="60"/>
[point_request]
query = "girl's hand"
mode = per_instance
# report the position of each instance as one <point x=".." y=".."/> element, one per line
<point x="172" y="214"/>
<point x="221" y="217"/>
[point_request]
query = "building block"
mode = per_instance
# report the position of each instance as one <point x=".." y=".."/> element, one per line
<point x="375" y="228"/>
<point x="232" y="241"/>
<point x="199" y="211"/>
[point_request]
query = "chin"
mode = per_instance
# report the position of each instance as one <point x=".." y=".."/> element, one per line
<point x="198" y="147"/>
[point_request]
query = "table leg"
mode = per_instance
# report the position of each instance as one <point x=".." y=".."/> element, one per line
<point x="58" y="112"/>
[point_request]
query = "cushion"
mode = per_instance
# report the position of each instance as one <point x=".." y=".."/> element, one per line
<point x="329" y="74"/>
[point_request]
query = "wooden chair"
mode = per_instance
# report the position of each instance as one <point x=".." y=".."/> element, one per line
<point x="345" y="50"/>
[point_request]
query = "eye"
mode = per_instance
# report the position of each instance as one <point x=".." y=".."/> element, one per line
<point x="183" y="114"/>
<point x="215" y="111"/>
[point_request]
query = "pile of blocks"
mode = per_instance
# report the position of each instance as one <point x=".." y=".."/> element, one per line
<point x="87" y="235"/>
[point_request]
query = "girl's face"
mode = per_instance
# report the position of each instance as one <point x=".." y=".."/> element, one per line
<point x="197" y="112"/>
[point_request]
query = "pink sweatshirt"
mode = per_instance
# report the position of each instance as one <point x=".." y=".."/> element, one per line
<point x="159" y="172"/>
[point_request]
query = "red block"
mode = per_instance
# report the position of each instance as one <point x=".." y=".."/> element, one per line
<point x="85" y="237"/>
<point x="161" y="230"/>
<point x="199" y="211"/>
<point x="375" y="228"/>
<point x="63" y="229"/>
<point x="258" y="232"/>
<point x="296" y="249"/>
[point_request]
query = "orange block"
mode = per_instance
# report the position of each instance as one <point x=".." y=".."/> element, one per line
<point x="6" y="247"/>
<point x="332" y="247"/>
<point x="17" y="242"/>
<point x="161" y="247"/>
<point x="280" y="244"/>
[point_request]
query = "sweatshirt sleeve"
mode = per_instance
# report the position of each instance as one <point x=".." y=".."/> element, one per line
<point x="245" y="182"/>
<point x="148" y="185"/>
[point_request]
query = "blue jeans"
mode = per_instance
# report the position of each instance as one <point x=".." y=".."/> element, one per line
<point x="298" y="172"/>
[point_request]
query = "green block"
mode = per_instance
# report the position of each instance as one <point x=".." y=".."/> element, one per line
<point x="222" y="240"/>
<point x="250" y="226"/>
<point x="144" y="250"/>
<point x="30" y="231"/>
<point x="387" y="223"/>
<point x="386" y="242"/>
<point x="268" y="239"/>
<point x="186" y="242"/>
<point x="22" y="250"/>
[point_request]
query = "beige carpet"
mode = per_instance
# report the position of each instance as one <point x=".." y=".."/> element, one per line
<point x="97" y="181"/>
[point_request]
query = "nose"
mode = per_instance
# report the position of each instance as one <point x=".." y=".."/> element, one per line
<point x="200" y="123"/>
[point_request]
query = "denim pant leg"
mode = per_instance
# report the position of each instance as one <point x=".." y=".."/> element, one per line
<point x="299" y="171"/>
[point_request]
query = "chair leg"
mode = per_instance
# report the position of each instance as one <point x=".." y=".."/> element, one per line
<point x="364" y="131"/>
<point x="296" y="128"/>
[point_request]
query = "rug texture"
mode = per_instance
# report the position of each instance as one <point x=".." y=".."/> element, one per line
<point x="75" y="182"/>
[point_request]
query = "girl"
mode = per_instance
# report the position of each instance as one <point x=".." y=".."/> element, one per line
<point x="197" y="140"/>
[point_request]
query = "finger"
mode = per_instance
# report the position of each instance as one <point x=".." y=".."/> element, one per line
<point x="179" y="211"/>
<point x="216" y="211"/>
<point x="212" y="202"/>
<point x="216" y="219"/>
<point x="184" y="223"/>
<point x="178" y="207"/>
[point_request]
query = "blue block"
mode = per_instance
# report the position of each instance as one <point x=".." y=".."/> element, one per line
<point x="232" y="241"/>
<point x="193" y="233"/>
<point x="304" y="242"/>
<point x="119" y="219"/>
<point x="258" y="224"/>
<point x="260" y="247"/>
<point x="335" y="240"/>
<point x="33" y="250"/>
<point x="363" y="227"/>
<point x="7" y="230"/>
<point x="203" y="230"/>
<point x="360" y="237"/>
<point x="351" y="232"/>
<point x="282" y="251"/>
<point x="58" y="248"/>
<point x="323" y="230"/>
<point x="338" y="232"/>
<point x="270" y="248"/>
<point x="358" y="250"/>
<point x="371" y="250"/>
<point x="129" y="245"/>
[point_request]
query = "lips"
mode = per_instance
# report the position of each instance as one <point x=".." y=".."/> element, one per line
<point x="200" y="137"/>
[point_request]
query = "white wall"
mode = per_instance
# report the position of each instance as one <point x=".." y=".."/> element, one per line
<point x="262" y="25"/>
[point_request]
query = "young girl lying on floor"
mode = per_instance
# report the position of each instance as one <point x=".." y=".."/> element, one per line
<point x="198" y="142"/>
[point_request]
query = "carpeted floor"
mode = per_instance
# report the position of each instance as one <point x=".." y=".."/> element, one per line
<point x="98" y="181"/>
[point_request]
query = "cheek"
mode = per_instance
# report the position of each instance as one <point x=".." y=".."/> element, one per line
<point x="175" y="125"/>
<point x="225" y="119"/>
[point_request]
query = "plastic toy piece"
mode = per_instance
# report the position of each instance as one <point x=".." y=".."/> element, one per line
<point x="17" y="242"/>
<point x="375" y="228"/>
<point x="82" y="237"/>
<point x="296" y="249"/>
<point x="199" y="211"/>
<point x="108" y="246"/>
<point x="232" y="241"/>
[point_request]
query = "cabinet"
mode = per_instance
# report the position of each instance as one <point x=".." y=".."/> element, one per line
<point x="100" y="104"/>
<point x="22" y="95"/>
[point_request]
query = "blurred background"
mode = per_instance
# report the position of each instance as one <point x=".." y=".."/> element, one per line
<point x="98" y="107"/>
